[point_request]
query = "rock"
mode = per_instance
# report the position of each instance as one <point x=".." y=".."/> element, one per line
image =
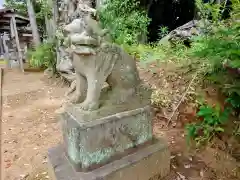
<point x="182" y="33"/>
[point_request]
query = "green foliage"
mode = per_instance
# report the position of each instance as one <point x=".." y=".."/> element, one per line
<point x="211" y="121"/>
<point x="146" y="53"/>
<point x="209" y="11"/>
<point x="126" y="20"/>
<point x="219" y="44"/>
<point x="220" y="48"/>
<point x="149" y="53"/>
<point x="222" y="45"/>
<point x="44" y="56"/>
<point x="163" y="31"/>
<point x="234" y="100"/>
<point x="19" y="6"/>
<point x="41" y="8"/>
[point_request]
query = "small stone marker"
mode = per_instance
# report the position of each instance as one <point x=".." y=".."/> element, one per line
<point x="3" y="63"/>
<point x="107" y="133"/>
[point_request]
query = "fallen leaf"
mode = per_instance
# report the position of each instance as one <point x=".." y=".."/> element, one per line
<point x="190" y="159"/>
<point x="15" y="157"/>
<point x="8" y="165"/>
<point x="24" y="176"/>
<point x="201" y="173"/>
<point x="182" y="177"/>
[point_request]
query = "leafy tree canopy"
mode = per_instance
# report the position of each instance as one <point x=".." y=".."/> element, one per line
<point x="41" y="8"/>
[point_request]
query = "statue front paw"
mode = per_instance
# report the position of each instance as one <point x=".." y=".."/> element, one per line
<point x="89" y="106"/>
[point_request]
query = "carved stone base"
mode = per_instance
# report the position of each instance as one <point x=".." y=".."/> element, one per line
<point x="90" y="143"/>
<point x="148" y="163"/>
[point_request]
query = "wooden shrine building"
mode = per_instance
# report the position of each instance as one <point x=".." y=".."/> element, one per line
<point x="15" y="37"/>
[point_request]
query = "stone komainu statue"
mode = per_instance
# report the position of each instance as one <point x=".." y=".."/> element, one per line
<point x="97" y="61"/>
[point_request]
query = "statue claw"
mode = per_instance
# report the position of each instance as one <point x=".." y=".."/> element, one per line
<point x="89" y="106"/>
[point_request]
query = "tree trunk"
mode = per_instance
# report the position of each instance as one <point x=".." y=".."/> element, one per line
<point x="32" y="18"/>
<point x="51" y="22"/>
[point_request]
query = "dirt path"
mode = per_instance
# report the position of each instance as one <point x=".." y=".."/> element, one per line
<point x="29" y="125"/>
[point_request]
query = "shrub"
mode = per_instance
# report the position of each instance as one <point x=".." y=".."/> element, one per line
<point x="220" y="48"/>
<point x="126" y="20"/>
<point x="44" y="56"/>
<point x="210" y="121"/>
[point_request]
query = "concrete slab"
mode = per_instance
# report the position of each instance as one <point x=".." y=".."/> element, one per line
<point x="149" y="163"/>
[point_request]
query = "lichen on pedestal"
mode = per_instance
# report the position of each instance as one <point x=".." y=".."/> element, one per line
<point x="94" y="138"/>
<point x="90" y="144"/>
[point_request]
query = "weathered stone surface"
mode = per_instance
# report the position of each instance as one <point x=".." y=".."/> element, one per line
<point x="67" y="11"/>
<point x="97" y="60"/>
<point x="94" y="138"/>
<point x="149" y="163"/>
<point x="182" y="33"/>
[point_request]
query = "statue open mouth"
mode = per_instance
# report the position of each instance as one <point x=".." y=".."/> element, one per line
<point x="84" y="50"/>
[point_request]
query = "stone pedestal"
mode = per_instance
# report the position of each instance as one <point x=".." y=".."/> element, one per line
<point x="89" y="144"/>
<point x="151" y="162"/>
<point x="112" y="143"/>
